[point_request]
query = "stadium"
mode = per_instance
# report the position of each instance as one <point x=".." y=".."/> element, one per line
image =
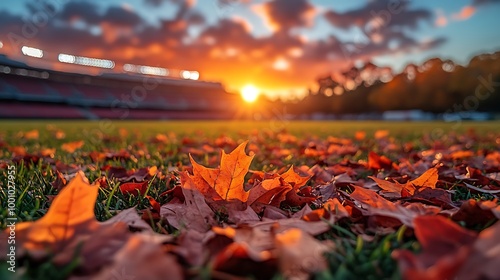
<point x="140" y="92"/>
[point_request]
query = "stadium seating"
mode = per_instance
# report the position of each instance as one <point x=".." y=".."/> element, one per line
<point x="143" y="114"/>
<point x="25" y="85"/>
<point x="73" y="96"/>
<point x="37" y="110"/>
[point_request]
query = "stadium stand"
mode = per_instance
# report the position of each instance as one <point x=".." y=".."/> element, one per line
<point x="39" y="110"/>
<point x="27" y="92"/>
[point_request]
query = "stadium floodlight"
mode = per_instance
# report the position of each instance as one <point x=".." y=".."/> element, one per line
<point x="147" y="70"/>
<point x="195" y="75"/>
<point x="185" y="74"/>
<point x="66" y="58"/>
<point x="190" y="75"/>
<point x="86" y="61"/>
<point x="129" y="67"/>
<point x="33" y="52"/>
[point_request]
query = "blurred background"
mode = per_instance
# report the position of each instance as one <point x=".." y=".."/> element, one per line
<point x="255" y="60"/>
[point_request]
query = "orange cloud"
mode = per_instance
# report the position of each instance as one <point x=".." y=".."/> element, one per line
<point x="465" y="13"/>
<point x="260" y="10"/>
<point x="245" y="23"/>
<point x="441" y="19"/>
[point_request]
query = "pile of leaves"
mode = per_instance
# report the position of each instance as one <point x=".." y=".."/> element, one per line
<point x="432" y="210"/>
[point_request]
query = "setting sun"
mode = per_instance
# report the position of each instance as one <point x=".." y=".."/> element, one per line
<point x="249" y="93"/>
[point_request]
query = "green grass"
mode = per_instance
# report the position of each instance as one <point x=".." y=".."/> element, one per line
<point x="76" y="129"/>
<point x="353" y="257"/>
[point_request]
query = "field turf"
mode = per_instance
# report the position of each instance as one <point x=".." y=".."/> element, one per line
<point x="166" y="145"/>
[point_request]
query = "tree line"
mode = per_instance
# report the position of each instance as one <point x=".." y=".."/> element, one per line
<point x="437" y="86"/>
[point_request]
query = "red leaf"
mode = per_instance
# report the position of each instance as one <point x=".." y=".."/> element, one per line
<point x="482" y="262"/>
<point x="445" y="248"/>
<point x="154" y="204"/>
<point x="393" y="190"/>
<point x="134" y="188"/>
<point x="60" y="181"/>
<point x="439" y="234"/>
<point x="475" y="213"/>
<point x="371" y="198"/>
<point x="377" y="162"/>
<point x="437" y="197"/>
<point x="192" y="213"/>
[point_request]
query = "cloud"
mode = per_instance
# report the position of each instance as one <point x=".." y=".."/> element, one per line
<point x="185" y="9"/>
<point x="8" y="20"/>
<point x="433" y="43"/>
<point x="154" y="3"/>
<point x="484" y="2"/>
<point x="282" y="15"/>
<point x="229" y="33"/>
<point x="232" y="2"/>
<point x="468" y="11"/>
<point x="120" y="16"/>
<point x="387" y="25"/>
<point x="88" y="13"/>
<point x="157" y="3"/>
<point x="84" y="11"/>
<point x="387" y="13"/>
<point x="465" y="13"/>
<point x="441" y="19"/>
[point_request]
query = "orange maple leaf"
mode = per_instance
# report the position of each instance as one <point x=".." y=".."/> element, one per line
<point x="396" y="190"/>
<point x="390" y="189"/>
<point x="270" y="191"/>
<point x="32" y="134"/>
<point x="427" y="180"/>
<point x="290" y="176"/>
<point x="71" y="214"/>
<point x="228" y="179"/>
<point x="377" y="162"/>
<point x="70" y="147"/>
<point x="279" y="188"/>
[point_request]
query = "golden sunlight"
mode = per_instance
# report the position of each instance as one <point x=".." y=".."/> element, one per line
<point x="249" y="93"/>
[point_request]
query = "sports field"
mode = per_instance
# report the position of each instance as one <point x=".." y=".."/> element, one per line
<point x="77" y="128"/>
<point x="341" y="200"/>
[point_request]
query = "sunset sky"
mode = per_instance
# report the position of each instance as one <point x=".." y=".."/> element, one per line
<point x="279" y="46"/>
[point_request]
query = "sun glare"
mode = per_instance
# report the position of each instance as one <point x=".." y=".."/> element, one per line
<point x="249" y="93"/>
